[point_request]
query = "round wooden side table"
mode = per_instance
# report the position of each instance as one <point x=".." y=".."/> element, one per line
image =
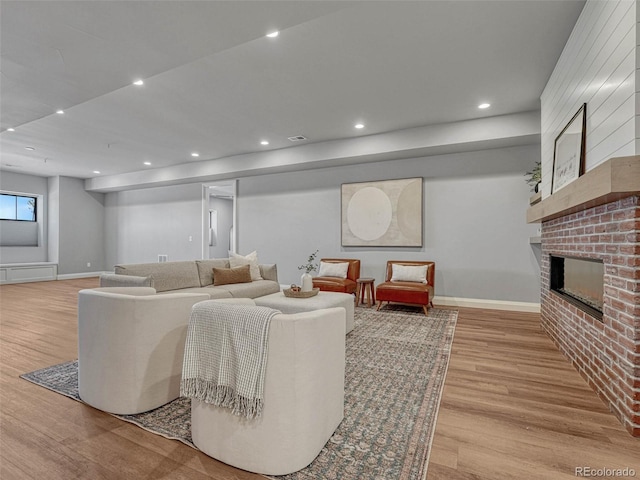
<point x="365" y="284"/>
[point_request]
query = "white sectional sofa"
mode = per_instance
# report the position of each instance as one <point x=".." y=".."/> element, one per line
<point x="131" y="347"/>
<point x="303" y="398"/>
<point x="131" y="330"/>
<point x="194" y="276"/>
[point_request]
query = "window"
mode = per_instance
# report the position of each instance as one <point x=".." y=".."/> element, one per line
<point x="18" y="207"/>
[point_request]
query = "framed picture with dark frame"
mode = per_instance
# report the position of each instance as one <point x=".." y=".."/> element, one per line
<point x="569" y="151"/>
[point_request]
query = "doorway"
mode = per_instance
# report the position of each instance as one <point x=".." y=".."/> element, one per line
<point x="219" y="219"/>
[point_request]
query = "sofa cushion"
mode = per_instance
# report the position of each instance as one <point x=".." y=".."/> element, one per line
<point x="333" y="284"/>
<point x="269" y="272"/>
<point x="205" y="269"/>
<point x="236" y="260"/>
<point x="405" y="292"/>
<point x="213" y="292"/>
<point x="115" y="280"/>
<point x="131" y="291"/>
<point x="166" y="275"/>
<point x="255" y="289"/>
<point x="226" y="276"/>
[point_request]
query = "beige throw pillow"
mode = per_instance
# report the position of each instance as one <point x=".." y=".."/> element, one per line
<point x="409" y="273"/>
<point x="226" y="276"/>
<point x="333" y="269"/>
<point x="236" y="260"/>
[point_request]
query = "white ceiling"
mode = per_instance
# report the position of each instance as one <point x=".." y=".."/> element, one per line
<point x="216" y="85"/>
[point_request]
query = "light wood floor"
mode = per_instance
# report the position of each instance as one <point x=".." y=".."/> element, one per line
<point x="513" y="408"/>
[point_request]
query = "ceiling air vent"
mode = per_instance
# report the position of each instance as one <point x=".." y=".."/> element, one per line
<point x="297" y="138"/>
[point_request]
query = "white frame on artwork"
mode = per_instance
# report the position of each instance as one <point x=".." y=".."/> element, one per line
<point x="385" y="213"/>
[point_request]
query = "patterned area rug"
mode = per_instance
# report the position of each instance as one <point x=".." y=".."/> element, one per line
<point x="172" y="420"/>
<point x="397" y="360"/>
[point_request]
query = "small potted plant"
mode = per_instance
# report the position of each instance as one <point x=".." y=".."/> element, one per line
<point x="306" y="281"/>
<point x="534" y="177"/>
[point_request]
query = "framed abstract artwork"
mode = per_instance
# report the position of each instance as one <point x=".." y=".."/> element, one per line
<point x="387" y="213"/>
<point x="569" y="151"/>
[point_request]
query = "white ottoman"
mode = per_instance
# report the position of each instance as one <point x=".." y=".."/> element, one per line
<point x="298" y="305"/>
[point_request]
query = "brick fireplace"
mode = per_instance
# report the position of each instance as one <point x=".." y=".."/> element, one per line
<point x="598" y="218"/>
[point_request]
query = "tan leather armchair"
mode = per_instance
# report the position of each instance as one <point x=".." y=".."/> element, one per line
<point x="410" y="292"/>
<point x="335" y="284"/>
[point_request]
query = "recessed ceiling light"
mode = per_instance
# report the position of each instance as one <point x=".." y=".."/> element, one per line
<point x="147" y="163"/>
<point x="273" y="34"/>
<point x="59" y="112"/>
<point x="11" y="129"/>
<point x="29" y="148"/>
<point x="359" y="125"/>
<point x="195" y="154"/>
<point x="484" y="105"/>
<point x="264" y="142"/>
<point x="96" y="171"/>
<point x="138" y="82"/>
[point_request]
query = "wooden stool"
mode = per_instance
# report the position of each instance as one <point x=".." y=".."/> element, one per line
<point x="365" y="285"/>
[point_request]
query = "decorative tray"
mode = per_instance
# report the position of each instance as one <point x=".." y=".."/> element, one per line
<point x="290" y="293"/>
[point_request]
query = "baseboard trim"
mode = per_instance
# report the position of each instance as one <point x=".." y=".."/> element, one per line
<point x="490" y="304"/>
<point x="71" y="276"/>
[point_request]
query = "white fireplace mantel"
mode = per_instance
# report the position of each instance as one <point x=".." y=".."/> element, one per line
<point x="610" y="181"/>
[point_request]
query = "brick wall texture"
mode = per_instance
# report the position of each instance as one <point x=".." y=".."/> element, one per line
<point x="607" y="352"/>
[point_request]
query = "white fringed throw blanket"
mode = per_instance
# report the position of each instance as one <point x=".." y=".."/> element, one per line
<point x="225" y="356"/>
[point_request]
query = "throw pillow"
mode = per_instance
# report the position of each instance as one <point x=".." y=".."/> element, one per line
<point x="226" y="276"/>
<point x="330" y="269"/>
<point x="409" y="273"/>
<point x="236" y="260"/>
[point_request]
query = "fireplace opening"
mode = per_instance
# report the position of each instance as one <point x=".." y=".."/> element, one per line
<point x="580" y="281"/>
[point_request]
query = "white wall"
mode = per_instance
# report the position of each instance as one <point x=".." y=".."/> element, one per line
<point x="53" y="219"/>
<point x="142" y="224"/>
<point x="475" y="221"/>
<point x="596" y="67"/>
<point x="474" y="229"/>
<point x="30" y="184"/>
<point x="71" y="219"/>
<point x="81" y="228"/>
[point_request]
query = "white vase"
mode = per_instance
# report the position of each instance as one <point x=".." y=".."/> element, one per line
<point x="306" y="282"/>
